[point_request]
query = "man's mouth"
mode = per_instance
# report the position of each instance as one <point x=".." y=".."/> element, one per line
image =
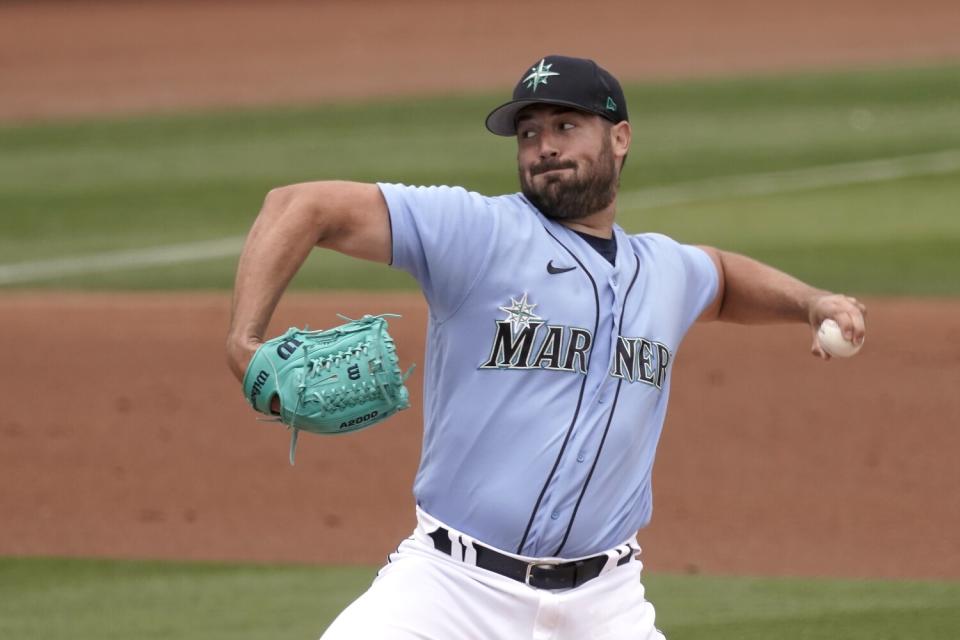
<point x="536" y="171"/>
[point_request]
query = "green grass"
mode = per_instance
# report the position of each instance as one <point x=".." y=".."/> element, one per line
<point x="726" y="608"/>
<point x="101" y="599"/>
<point x="898" y="237"/>
<point x="82" y="599"/>
<point x="80" y="187"/>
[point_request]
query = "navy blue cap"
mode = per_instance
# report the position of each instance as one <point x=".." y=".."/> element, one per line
<point x="578" y="83"/>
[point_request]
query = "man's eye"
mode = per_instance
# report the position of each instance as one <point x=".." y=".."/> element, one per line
<point x="527" y="134"/>
<point x="567" y="126"/>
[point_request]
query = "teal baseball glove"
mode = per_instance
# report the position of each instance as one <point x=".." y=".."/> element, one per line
<point x="334" y="381"/>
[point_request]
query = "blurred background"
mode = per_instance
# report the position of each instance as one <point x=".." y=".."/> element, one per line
<point x="137" y="140"/>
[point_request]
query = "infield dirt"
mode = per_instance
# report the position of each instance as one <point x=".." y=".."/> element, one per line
<point x="131" y="439"/>
<point x="101" y="56"/>
<point x="124" y="435"/>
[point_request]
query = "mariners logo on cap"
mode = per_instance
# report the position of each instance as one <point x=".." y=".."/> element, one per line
<point x="539" y="75"/>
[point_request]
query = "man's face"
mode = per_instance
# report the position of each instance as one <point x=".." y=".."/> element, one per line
<point x="565" y="161"/>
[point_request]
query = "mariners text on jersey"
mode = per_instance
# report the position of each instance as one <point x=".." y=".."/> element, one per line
<point x="560" y="348"/>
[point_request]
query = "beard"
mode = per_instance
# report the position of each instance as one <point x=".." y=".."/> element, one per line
<point x="577" y="196"/>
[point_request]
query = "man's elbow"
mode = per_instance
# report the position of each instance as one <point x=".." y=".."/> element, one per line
<point x="303" y="201"/>
<point x="301" y="197"/>
<point x="279" y="198"/>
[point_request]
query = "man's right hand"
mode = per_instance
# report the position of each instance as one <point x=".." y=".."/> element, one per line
<point x="239" y="353"/>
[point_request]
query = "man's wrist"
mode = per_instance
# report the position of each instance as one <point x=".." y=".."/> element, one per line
<point x="811" y="305"/>
<point x="240" y="350"/>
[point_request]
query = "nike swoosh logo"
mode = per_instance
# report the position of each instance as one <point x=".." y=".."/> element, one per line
<point x="555" y="270"/>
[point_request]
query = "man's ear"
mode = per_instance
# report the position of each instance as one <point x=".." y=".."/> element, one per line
<point x="620" y="136"/>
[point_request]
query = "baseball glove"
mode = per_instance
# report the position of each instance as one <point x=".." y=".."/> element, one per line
<point x="335" y="381"/>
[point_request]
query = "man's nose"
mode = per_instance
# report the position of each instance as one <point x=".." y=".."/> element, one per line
<point x="548" y="147"/>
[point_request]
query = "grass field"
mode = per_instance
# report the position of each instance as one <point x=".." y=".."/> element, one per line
<point x="101" y="599"/>
<point x="80" y="188"/>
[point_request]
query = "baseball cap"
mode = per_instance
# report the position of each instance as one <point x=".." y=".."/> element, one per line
<point x="571" y="82"/>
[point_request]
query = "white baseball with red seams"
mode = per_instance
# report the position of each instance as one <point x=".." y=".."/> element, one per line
<point x="832" y="341"/>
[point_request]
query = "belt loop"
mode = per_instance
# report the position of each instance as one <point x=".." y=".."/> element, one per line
<point x="456" y="548"/>
<point x="629" y="550"/>
<point x="613" y="559"/>
<point x="469" y="551"/>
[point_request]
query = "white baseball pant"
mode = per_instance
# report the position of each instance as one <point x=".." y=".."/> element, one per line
<point x="424" y="594"/>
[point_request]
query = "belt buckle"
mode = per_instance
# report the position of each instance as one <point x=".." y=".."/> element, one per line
<point x="532" y="565"/>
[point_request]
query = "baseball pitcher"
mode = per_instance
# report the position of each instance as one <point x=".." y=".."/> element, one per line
<point x="551" y="342"/>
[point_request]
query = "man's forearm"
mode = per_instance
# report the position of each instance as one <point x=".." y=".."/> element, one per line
<point x="751" y="292"/>
<point x="278" y="243"/>
<point x="755" y="293"/>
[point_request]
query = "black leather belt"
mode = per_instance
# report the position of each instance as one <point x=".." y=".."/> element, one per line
<point x="541" y="575"/>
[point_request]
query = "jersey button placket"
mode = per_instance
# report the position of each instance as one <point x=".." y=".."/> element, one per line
<point x="614" y="282"/>
<point x="570" y="475"/>
<point x="545" y="522"/>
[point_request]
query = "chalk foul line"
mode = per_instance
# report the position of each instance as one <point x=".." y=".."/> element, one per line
<point x="757" y="184"/>
<point x="820" y="177"/>
<point x="172" y="254"/>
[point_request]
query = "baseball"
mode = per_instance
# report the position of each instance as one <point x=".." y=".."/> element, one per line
<point x="833" y="342"/>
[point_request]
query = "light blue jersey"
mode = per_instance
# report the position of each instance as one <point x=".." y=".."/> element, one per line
<point x="547" y="368"/>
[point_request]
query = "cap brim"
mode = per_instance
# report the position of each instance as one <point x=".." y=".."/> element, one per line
<point x="503" y="120"/>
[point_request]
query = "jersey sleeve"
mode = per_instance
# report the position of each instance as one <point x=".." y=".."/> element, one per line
<point x="702" y="282"/>
<point x="693" y="276"/>
<point x="443" y="237"/>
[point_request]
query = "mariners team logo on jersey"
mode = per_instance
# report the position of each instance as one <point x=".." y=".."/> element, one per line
<point x="523" y="340"/>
